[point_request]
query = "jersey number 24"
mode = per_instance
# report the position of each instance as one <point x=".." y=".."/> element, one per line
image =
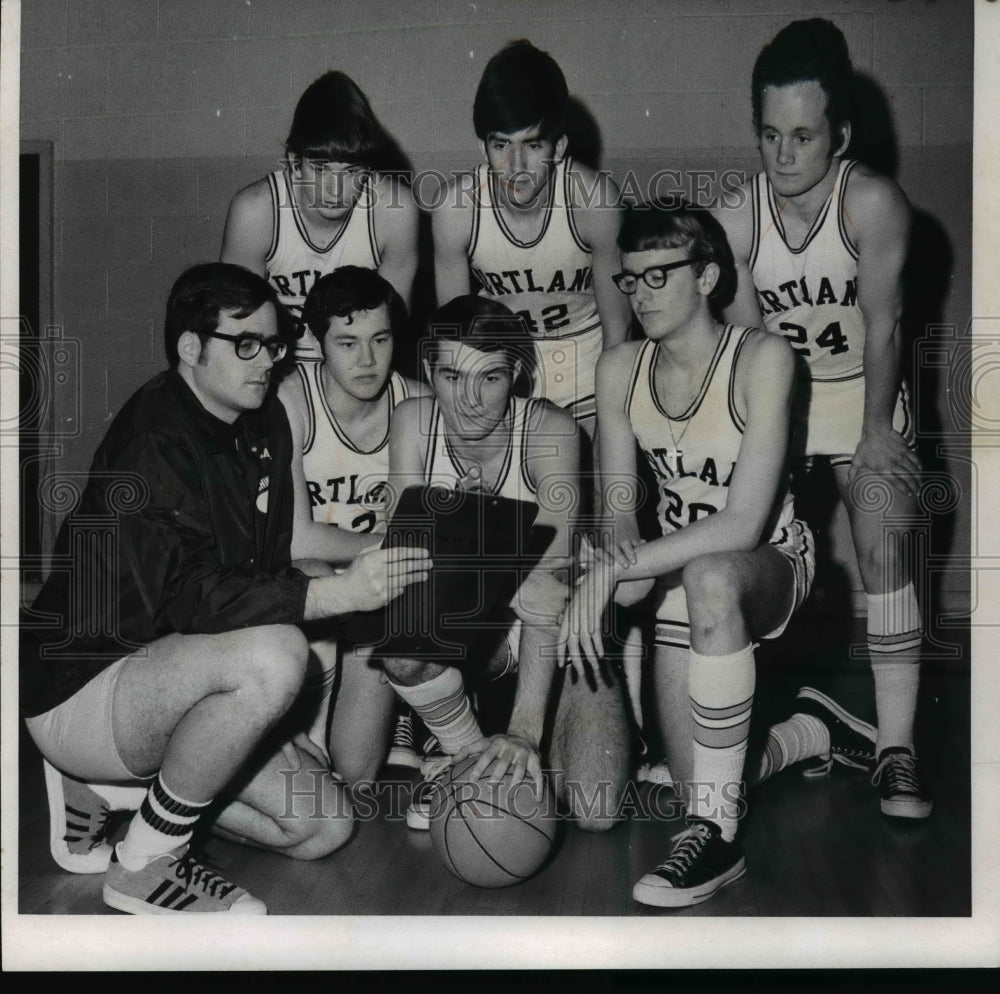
<point x="831" y="337"/>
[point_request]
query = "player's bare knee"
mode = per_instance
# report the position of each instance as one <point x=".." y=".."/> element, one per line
<point x="409" y="672"/>
<point x="317" y="816"/>
<point x="713" y="592"/>
<point x="316" y="838"/>
<point x="595" y="810"/>
<point x="360" y="769"/>
<point x="274" y="667"/>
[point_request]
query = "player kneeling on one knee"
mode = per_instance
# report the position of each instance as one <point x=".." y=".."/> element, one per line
<point x="475" y="433"/>
<point x="709" y="406"/>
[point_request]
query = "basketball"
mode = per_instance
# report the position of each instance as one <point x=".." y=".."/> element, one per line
<point x="491" y="834"/>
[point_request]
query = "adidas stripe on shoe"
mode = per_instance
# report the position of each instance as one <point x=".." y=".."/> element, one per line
<point x="80" y="822"/>
<point x="175" y="883"/>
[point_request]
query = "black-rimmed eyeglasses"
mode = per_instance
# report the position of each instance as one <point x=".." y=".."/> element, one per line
<point x="249" y="346"/>
<point x="655" y="277"/>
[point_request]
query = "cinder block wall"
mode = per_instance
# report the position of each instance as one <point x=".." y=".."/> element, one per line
<point x="159" y="110"/>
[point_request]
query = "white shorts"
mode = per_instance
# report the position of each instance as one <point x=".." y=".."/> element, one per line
<point x="828" y="417"/>
<point x="566" y="372"/>
<point x="77" y="736"/>
<point x="795" y="543"/>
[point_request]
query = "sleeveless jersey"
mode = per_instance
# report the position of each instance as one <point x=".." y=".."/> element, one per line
<point x="550" y="282"/>
<point x="443" y="468"/>
<point x="346" y="485"/>
<point x="694" y="475"/>
<point x="294" y="261"/>
<point x="809" y="294"/>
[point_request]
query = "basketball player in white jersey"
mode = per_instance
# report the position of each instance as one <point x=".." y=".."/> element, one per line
<point x="535" y="229"/>
<point x="474" y="433"/>
<point x="709" y="405"/>
<point x="820" y="242"/>
<point x="339" y="412"/>
<point x="328" y="206"/>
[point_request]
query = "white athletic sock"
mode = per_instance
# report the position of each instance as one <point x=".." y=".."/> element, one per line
<point x="895" y="635"/>
<point x="444" y="708"/>
<point x="722" y="689"/>
<point x="121" y="796"/>
<point x="164" y="822"/>
<point x="800" y="737"/>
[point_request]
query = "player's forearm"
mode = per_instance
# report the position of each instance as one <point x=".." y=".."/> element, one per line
<point x="451" y="276"/>
<point x="744" y="309"/>
<point x="329" y="543"/>
<point x="612" y="305"/>
<point x="615" y="319"/>
<point x="536" y="668"/>
<point x="721" y="532"/>
<point x="881" y="372"/>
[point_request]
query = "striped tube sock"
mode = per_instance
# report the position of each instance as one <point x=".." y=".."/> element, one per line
<point x="895" y="636"/>
<point x="319" y="687"/>
<point x="444" y="708"/>
<point x="800" y="737"/>
<point x="164" y="822"/>
<point x="721" y="689"/>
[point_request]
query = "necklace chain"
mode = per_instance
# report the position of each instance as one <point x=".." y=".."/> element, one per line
<point x="675" y="453"/>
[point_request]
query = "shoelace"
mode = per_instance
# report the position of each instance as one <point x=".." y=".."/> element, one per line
<point x="437" y="766"/>
<point x="900" y="772"/>
<point x="196" y="874"/>
<point x="689" y="844"/>
<point x="403" y="734"/>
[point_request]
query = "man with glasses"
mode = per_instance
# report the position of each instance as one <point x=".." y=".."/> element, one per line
<point x="709" y="406"/>
<point x="165" y="646"/>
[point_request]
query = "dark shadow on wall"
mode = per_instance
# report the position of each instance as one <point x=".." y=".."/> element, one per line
<point x="583" y="134"/>
<point x="873" y="133"/>
<point x="927" y="277"/>
<point x="926" y="284"/>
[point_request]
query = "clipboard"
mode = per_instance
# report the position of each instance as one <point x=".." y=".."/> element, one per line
<point x="482" y="546"/>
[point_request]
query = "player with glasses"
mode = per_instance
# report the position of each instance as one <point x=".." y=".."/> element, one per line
<point x="655" y="277"/>
<point x="709" y="405"/>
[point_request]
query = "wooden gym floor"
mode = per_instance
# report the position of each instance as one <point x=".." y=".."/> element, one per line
<point x="814" y="848"/>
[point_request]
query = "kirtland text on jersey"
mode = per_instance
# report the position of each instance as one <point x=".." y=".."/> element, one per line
<point x="523" y="281"/>
<point x="347" y="490"/>
<point x="661" y="461"/>
<point x="677" y="509"/>
<point x="798" y="292"/>
<point x="304" y="279"/>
